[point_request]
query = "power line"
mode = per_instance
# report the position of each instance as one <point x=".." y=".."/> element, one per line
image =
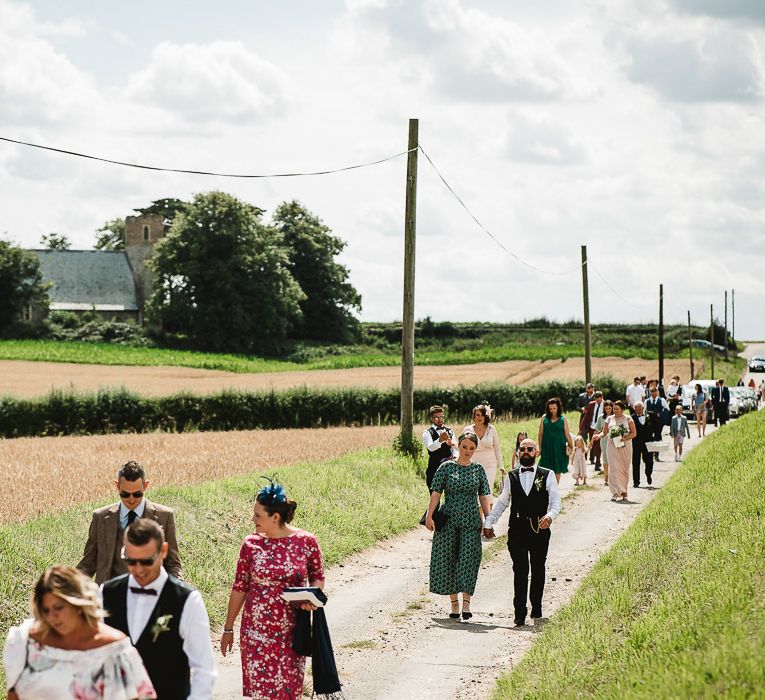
<point x="605" y="281"/>
<point x="486" y="230"/>
<point x="203" y="172"/>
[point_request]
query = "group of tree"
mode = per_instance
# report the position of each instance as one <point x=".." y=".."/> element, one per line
<point x="226" y="280"/>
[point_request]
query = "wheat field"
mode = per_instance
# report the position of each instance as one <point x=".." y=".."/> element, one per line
<point x="46" y="475"/>
<point x="30" y="379"/>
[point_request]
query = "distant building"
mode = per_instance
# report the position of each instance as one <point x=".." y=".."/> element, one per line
<point x="116" y="284"/>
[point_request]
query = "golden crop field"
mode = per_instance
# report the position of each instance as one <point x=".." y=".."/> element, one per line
<point x="30" y="379"/>
<point x="46" y="475"/>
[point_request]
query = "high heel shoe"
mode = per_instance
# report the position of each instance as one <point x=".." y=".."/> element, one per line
<point x="455" y="615"/>
<point x="466" y="614"/>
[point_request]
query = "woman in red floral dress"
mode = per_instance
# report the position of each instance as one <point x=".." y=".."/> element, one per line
<point x="273" y="557"/>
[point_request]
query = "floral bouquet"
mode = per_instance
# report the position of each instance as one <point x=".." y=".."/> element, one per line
<point x="617" y="434"/>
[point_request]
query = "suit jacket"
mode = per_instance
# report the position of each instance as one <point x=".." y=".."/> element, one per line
<point x="679" y="426"/>
<point x="643" y="433"/>
<point x="589" y="412"/>
<point x="717" y="398"/>
<point x="98" y="556"/>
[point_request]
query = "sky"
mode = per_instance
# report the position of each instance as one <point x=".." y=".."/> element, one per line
<point x="634" y="127"/>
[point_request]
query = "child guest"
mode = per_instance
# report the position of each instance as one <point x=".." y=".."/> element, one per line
<point x="679" y="429"/>
<point x="578" y="464"/>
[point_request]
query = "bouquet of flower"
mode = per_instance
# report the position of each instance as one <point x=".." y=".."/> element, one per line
<point x="617" y="434"/>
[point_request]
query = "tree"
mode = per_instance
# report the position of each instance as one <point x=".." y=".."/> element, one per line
<point x="55" y="241"/>
<point x="169" y="207"/>
<point x="21" y="284"/>
<point x="222" y="278"/>
<point x="111" y="236"/>
<point x="329" y="296"/>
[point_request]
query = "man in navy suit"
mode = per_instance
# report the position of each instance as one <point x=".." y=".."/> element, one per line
<point x="721" y="402"/>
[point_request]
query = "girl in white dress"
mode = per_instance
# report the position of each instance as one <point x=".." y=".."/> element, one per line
<point x="66" y="652"/>
<point x="578" y="463"/>
<point x="488" y="453"/>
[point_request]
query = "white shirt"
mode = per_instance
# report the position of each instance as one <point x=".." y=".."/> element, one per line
<point x="194" y="628"/>
<point x="659" y="401"/>
<point x="595" y="414"/>
<point x="635" y="392"/>
<point x="527" y="481"/>
<point x="139" y="510"/>
<point x="432" y="445"/>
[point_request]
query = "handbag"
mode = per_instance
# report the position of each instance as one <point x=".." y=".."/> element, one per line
<point x="440" y="518"/>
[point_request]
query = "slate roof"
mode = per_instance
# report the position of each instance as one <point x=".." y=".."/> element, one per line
<point x="84" y="279"/>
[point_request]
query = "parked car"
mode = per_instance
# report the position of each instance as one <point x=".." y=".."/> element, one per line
<point x="738" y="404"/>
<point x="757" y="364"/>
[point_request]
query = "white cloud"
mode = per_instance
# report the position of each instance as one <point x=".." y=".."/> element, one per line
<point x="218" y="82"/>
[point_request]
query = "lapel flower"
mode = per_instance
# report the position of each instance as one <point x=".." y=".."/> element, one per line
<point x="538" y="483"/>
<point x="161" y="625"/>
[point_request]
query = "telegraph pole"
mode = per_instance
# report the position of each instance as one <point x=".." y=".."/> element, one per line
<point x="725" y="341"/>
<point x="661" y="334"/>
<point x="733" y="314"/>
<point x="690" y="343"/>
<point x="587" y="334"/>
<point x="407" y="328"/>
<point x="712" y="337"/>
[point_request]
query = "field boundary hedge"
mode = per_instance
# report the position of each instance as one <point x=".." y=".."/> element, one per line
<point x="120" y="411"/>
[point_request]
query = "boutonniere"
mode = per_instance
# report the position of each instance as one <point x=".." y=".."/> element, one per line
<point x="538" y="483"/>
<point x="161" y="625"/>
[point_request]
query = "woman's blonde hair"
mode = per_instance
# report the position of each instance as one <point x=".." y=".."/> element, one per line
<point x="73" y="587"/>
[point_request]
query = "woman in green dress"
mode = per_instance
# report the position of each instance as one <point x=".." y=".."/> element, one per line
<point x="456" y="553"/>
<point x="554" y="438"/>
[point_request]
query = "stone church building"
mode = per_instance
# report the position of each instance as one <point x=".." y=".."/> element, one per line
<point x="116" y="284"/>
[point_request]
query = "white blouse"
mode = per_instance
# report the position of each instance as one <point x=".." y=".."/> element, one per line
<point x="39" y="672"/>
<point x="488" y="453"/>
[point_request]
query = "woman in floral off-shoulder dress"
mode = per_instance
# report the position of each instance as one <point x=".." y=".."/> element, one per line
<point x="275" y="556"/>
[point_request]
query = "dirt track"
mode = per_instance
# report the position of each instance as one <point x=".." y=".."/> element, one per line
<point x="30" y="379"/>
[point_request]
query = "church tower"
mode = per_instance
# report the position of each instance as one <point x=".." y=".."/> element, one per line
<point x="141" y="235"/>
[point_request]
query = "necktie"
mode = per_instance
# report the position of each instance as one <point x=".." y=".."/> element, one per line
<point x="132" y="515"/>
<point x="143" y="591"/>
<point x="527" y="469"/>
<point x="597" y="408"/>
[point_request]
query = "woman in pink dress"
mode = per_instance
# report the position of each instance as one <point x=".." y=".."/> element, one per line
<point x="619" y="451"/>
<point x="489" y="453"/>
<point x="274" y="557"/>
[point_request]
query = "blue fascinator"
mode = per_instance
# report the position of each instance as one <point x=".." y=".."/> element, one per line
<point x="271" y="493"/>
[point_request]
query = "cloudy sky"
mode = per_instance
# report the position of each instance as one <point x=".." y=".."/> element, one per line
<point x="635" y="127"/>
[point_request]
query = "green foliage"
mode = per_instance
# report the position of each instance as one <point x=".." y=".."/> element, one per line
<point x="64" y="325"/>
<point x="675" y="609"/>
<point x="55" y="241"/>
<point x="111" y="236"/>
<point x="408" y="445"/>
<point x="115" y="411"/>
<point x="222" y="279"/>
<point x="21" y="286"/>
<point x="169" y="208"/>
<point x="329" y="296"/>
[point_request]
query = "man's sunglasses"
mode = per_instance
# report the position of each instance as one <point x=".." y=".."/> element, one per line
<point x="526" y="449"/>
<point x="131" y="494"/>
<point x="133" y="562"/>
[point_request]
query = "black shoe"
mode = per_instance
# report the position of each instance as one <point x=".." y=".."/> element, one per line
<point x="466" y="614"/>
<point x="635" y="486"/>
<point x="454" y="616"/>
<point x="520" y="621"/>
<point x="597" y="468"/>
<point x="536" y="613"/>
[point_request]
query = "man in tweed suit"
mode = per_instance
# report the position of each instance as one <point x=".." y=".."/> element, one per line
<point x="102" y="555"/>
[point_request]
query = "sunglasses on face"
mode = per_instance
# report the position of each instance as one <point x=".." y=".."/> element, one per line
<point x="130" y="561"/>
<point x="526" y="449"/>
<point x="131" y="494"/>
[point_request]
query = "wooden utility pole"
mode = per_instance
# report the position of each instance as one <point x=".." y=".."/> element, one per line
<point x="690" y="344"/>
<point x="712" y="338"/>
<point x="733" y="314"/>
<point x="725" y="341"/>
<point x="661" y="334"/>
<point x="587" y="334"/>
<point x="407" y="328"/>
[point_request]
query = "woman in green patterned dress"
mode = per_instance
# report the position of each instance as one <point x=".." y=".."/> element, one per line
<point x="553" y="438"/>
<point x="456" y="553"/>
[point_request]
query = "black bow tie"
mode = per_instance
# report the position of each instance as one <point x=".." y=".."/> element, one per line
<point x="144" y="591"/>
<point x="527" y="469"/>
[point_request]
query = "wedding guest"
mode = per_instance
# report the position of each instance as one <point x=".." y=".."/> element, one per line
<point x="657" y="410"/>
<point x="608" y="410"/>
<point x="554" y="437"/>
<point x="674" y="393"/>
<point x="489" y="453"/>
<point x="720" y="396"/>
<point x="107" y="527"/>
<point x="275" y="556"/>
<point x="679" y="429"/>
<point x="439" y="443"/>
<point x="66" y="652"/>
<point x="585" y="397"/>
<point x="455" y="556"/>
<point x="533" y="495"/>
<point x="619" y="449"/>
<point x="578" y="461"/>
<point x="587" y="427"/>
<point x="635" y="392"/>
<point x="700" y="403"/>
<point x="643" y="434"/>
<point x="164" y="617"/>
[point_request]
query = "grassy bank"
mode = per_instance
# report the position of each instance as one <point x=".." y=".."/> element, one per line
<point x="112" y="354"/>
<point x="676" y="609"/>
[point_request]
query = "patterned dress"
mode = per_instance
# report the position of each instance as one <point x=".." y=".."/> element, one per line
<point x="270" y="668"/>
<point x="455" y="556"/>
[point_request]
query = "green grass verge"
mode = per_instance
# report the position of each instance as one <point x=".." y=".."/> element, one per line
<point x="111" y="354"/>
<point x="676" y="608"/>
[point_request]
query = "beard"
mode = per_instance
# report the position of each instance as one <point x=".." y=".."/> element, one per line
<point x="526" y="460"/>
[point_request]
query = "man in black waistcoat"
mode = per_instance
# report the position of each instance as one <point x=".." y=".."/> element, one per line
<point x="439" y="443"/>
<point x="720" y="396"/>
<point x="643" y="434"/>
<point x="164" y="617"/>
<point x="534" y="498"/>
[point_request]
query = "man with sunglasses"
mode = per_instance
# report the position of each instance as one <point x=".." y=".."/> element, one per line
<point x="533" y="495"/>
<point x="164" y="617"/>
<point x="108" y="524"/>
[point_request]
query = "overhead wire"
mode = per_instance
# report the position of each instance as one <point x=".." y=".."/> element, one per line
<point x="184" y="171"/>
